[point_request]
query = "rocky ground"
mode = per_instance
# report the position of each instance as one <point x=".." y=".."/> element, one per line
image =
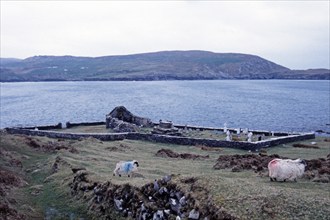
<point x="42" y="178"/>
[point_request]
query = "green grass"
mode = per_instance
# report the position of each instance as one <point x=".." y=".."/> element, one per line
<point x="36" y="168"/>
<point x="247" y="194"/>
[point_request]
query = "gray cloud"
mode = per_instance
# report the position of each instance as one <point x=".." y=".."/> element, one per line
<point x="291" y="33"/>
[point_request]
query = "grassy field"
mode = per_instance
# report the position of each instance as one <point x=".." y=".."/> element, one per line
<point x="245" y="194"/>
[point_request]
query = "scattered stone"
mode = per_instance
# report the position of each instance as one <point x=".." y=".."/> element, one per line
<point x="159" y="215"/>
<point x="183" y="201"/>
<point x="193" y="214"/>
<point x="156" y="185"/>
<point x="166" y="179"/>
<point x="175" y="205"/>
<point x="118" y="204"/>
<point x="125" y="127"/>
<point x="145" y="202"/>
<point x="75" y="170"/>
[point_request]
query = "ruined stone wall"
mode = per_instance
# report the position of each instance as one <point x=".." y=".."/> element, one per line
<point x="286" y="139"/>
<point x="70" y="125"/>
<point x="168" y="139"/>
<point x="191" y="141"/>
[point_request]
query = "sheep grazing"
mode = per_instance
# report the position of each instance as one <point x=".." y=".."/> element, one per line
<point x="125" y="167"/>
<point x="286" y="169"/>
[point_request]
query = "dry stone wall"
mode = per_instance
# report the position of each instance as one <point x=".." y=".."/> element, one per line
<point x="168" y="139"/>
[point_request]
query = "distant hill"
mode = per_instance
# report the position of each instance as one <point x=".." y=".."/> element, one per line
<point x="166" y="65"/>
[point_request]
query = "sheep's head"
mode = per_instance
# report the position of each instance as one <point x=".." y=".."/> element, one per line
<point x="136" y="163"/>
<point x="303" y="162"/>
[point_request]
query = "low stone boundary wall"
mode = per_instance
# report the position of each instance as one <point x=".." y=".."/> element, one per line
<point x="287" y="139"/>
<point x="54" y="134"/>
<point x="192" y="141"/>
<point x="233" y="130"/>
<point x="46" y="127"/>
<point x="70" y="125"/>
<point x="168" y="139"/>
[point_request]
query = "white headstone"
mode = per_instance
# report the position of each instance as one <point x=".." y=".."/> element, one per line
<point x="228" y="138"/>
<point x="246" y="131"/>
<point x="225" y="127"/>
<point x="250" y="137"/>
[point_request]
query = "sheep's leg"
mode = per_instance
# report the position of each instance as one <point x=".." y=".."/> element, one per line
<point x="271" y="179"/>
<point x="116" y="171"/>
<point x="128" y="175"/>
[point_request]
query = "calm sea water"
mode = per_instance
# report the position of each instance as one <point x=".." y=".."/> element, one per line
<point x="277" y="105"/>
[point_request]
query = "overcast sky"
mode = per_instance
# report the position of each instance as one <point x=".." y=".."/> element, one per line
<point x="294" y="34"/>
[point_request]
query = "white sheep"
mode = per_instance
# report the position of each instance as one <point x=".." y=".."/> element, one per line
<point x="125" y="167"/>
<point x="286" y="169"/>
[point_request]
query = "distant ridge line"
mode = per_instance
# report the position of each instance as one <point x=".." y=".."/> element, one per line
<point x="163" y="65"/>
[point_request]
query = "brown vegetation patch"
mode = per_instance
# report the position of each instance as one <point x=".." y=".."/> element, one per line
<point x="172" y="154"/>
<point x="50" y="146"/>
<point x="316" y="168"/>
<point x="206" y="148"/>
<point x="8" y="156"/>
<point x="8" y="178"/>
<point x="6" y="212"/>
<point x="120" y="148"/>
<point x="189" y="180"/>
<point x="319" y="166"/>
<point x="115" y="149"/>
<point x="305" y="146"/>
<point x="247" y="161"/>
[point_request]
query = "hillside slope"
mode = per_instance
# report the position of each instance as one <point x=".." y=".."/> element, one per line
<point x="166" y="65"/>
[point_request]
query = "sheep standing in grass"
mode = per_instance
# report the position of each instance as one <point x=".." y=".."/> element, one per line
<point x="286" y="169"/>
<point x="125" y="167"/>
